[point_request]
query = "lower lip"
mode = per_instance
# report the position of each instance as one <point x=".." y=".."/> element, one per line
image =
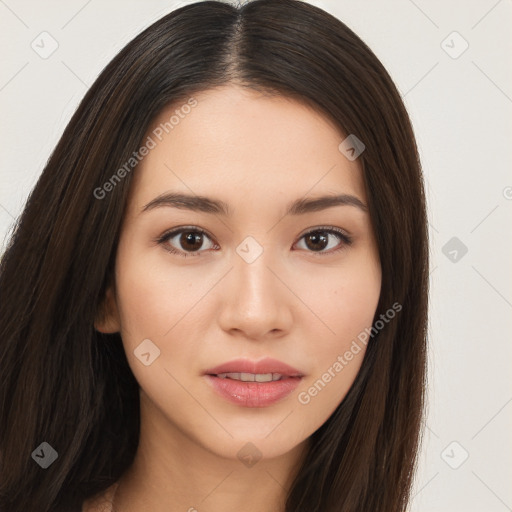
<point x="253" y="394"/>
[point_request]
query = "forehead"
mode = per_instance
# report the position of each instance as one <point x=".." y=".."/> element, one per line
<point x="236" y="141"/>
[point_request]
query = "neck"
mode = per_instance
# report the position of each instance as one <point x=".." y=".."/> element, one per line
<point x="172" y="472"/>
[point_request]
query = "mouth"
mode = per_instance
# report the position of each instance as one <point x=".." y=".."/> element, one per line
<point x="253" y="384"/>
<point x="252" y="377"/>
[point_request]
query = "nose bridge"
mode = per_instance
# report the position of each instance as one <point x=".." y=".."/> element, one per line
<point x="254" y="302"/>
<point x="255" y="283"/>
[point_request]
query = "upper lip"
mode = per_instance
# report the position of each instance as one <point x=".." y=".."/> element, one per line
<point x="267" y="365"/>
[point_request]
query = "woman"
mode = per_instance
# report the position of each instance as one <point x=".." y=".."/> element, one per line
<point x="216" y="296"/>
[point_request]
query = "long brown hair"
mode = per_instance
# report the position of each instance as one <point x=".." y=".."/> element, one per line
<point x="64" y="383"/>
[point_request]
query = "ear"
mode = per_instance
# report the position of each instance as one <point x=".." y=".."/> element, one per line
<point x="107" y="317"/>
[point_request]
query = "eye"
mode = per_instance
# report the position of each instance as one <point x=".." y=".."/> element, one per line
<point x="317" y="240"/>
<point x="189" y="240"/>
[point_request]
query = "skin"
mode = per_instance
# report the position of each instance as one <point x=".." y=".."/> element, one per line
<point x="257" y="153"/>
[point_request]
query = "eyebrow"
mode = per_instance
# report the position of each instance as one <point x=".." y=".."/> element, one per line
<point x="214" y="206"/>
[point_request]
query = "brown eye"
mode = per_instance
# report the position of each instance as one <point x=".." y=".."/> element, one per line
<point x="316" y="241"/>
<point x="320" y="239"/>
<point x="191" y="240"/>
<point x="186" y="241"/>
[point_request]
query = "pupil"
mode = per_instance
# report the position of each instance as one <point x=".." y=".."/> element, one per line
<point x="316" y="238"/>
<point x="190" y="238"/>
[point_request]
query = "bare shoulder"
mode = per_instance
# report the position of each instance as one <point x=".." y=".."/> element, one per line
<point x="101" y="502"/>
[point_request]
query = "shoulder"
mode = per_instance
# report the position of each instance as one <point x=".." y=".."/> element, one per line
<point x="101" y="502"/>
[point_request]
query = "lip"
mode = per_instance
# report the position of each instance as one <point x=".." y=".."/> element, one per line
<point x="267" y="365"/>
<point x="254" y="394"/>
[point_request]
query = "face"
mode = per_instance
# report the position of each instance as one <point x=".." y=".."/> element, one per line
<point x="229" y="274"/>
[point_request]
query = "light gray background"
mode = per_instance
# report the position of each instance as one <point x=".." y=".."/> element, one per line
<point x="461" y="110"/>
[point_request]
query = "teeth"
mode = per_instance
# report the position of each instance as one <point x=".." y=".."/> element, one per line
<point x="251" y="377"/>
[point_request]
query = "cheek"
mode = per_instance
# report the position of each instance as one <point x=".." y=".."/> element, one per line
<point x="156" y="303"/>
<point x="154" y="297"/>
<point x="344" y="299"/>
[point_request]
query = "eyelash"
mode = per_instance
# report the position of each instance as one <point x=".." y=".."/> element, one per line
<point x="344" y="238"/>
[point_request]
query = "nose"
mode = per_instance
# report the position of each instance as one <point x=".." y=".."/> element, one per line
<point x="256" y="303"/>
